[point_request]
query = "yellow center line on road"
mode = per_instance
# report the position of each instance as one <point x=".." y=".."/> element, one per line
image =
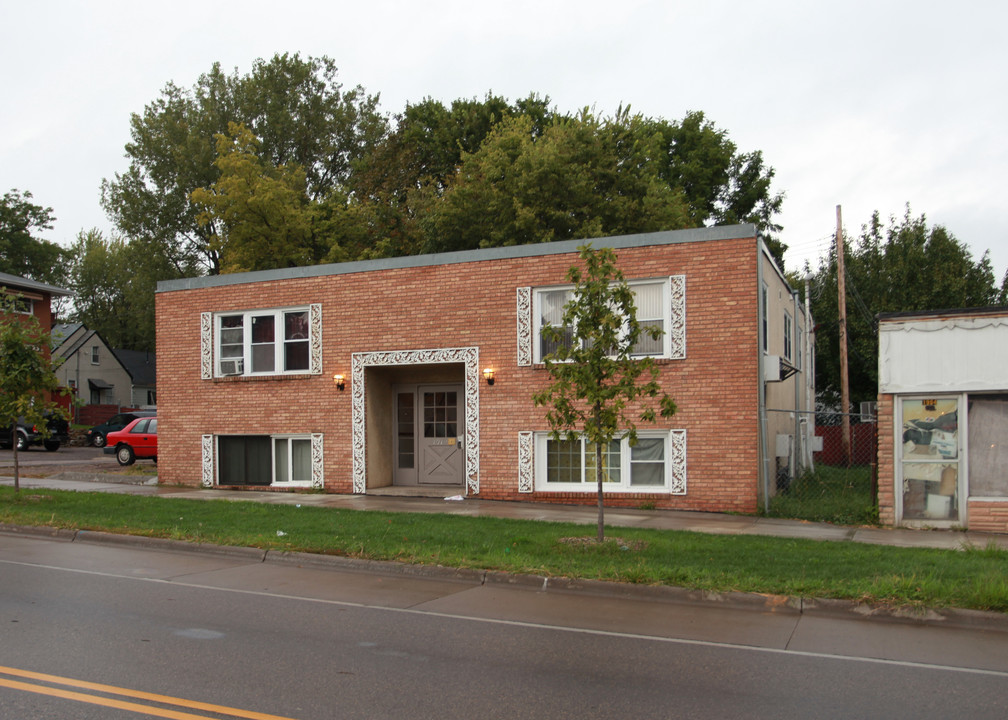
<point x="123" y="692"/>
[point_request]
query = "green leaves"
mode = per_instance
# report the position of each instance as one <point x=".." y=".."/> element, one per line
<point x="21" y="253"/>
<point x="907" y="266"/>
<point x="26" y="373"/>
<point x="595" y="380"/>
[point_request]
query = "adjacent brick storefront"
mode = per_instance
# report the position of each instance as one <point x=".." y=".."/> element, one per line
<point x="943" y="419"/>
<point x="439" y="321"/>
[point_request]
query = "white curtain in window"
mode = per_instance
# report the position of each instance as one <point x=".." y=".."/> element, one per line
<point x="301" y="460"/>
<point x="552" y="306"/>
<point x="648" y="301"/>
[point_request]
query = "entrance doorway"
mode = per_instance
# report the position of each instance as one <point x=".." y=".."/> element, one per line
<point x="429" y="435"/>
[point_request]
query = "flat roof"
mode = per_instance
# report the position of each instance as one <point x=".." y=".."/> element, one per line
<point x="947" y="313"/>
<point x="617" y="242"/>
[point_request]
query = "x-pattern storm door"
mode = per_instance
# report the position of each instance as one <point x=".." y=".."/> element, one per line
<point x="430" y="436"/>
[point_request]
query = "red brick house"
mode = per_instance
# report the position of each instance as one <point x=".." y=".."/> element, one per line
<point x="417" y="373"/>
<point x="943" y="419"/>
<point x="32" y="297"/>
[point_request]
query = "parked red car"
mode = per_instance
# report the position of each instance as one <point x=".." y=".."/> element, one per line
<point x="136" y="440"/>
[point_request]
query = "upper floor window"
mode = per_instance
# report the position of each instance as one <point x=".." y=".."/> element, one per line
<point x="95" y="359"/>
<point x="262" y="342"/>
<point x="23" y="305"/>
<point x="787" y="335"/>
<point x="798" y="345"/>
<point x="765" y="291"/>
<point x="652" y="304"/>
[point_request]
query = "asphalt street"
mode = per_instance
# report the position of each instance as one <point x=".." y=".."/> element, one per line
<point x="304" y="637"/>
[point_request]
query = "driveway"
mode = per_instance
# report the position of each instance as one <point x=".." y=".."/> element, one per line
<point x="38" y="462"/>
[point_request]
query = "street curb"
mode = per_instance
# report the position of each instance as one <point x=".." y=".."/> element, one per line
<point x="387" y="567"/>
<point x="756" y="602"/>
<point x="39" y="531"/>
<point x="93" y="537"/>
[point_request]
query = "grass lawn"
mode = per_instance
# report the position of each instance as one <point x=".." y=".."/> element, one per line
<point x="830" y="494"/>
<point x="975" y="578"/>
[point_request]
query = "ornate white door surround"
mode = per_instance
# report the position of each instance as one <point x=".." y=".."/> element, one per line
<point x="469" y="356"/>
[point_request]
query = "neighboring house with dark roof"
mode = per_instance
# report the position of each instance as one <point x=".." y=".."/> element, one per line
<point x="143" y="373"/>
<point x="99" y="374"/>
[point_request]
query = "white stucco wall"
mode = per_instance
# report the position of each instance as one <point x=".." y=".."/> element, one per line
<point x="946" y="354"/>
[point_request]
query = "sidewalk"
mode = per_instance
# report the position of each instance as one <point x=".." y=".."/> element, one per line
<point x="713" y="523"/>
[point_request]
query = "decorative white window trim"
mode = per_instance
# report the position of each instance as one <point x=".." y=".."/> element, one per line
<point x="677" y="462"/>
<point x="677" y="326"/>
<point x="526" y="467"/>
<point x="524" y="308"/>
<point x="467" y="355"/>
<point x="317" y="466"/>
<point x="675" y="467"/>
<point x="208" y="460"/>
<point x="315" y="351"/>
<point x="206" y="345"/>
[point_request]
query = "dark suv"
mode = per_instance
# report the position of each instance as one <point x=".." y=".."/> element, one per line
<point x="96" y="435"/>
<point x="28" y="435"/>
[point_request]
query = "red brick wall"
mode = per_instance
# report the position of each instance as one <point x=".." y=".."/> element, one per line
<point x="886" y="461"/>
<point x="988" y="515"/>
<point x="473" y="304"/>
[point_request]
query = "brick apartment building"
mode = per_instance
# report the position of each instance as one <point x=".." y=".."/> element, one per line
<point x="375" y="376"/>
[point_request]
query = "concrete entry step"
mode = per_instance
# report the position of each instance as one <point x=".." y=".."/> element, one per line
<point x="433" y="491"/>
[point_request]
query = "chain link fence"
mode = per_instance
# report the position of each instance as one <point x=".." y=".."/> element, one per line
<point x="820" y="480"/>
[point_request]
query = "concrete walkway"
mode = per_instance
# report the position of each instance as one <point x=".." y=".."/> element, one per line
<point x="714" y="523"/>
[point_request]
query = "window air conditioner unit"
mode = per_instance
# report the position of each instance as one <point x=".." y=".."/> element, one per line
<point x="232" y="367"/>
<point x="868" y="411"/>
<point x="772" y="368"/>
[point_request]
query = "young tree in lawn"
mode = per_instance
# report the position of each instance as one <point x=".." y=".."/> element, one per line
<point x="598" y="384"/>
<point x="26" y="374"/>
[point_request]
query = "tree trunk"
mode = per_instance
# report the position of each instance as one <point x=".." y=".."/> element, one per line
<point x="17" y="469"/>
<point x="600" y="535"/>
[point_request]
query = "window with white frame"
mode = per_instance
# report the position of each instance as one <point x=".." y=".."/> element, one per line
<point x="24" y="305"/>
<point x="651" y="302"/>
<point x="566" y="465"/>
<point x="264" y="460"/>
<point x="95" y="359"/>
<point x="263" y="342"/>
<point x="787" y="335"/>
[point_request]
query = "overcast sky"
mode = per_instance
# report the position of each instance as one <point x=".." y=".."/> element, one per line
<point x="867" y="105"/>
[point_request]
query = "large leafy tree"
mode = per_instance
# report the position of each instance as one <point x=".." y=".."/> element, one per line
<point x="395" y="183"/>
<point x="905" y="266"/>
<point x="22" y="252"/>
<point x="114" y="284"/>
<point x="27" y="379"/>
<point x="583" y="177"/>
<point x="298" y="112"/>
<point x="597" y="385"/>
<point x="720" y="184"/>
<point x="262" y="213"/>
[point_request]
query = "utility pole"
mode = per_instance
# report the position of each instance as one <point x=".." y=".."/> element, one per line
<point x="842" y="305"/>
